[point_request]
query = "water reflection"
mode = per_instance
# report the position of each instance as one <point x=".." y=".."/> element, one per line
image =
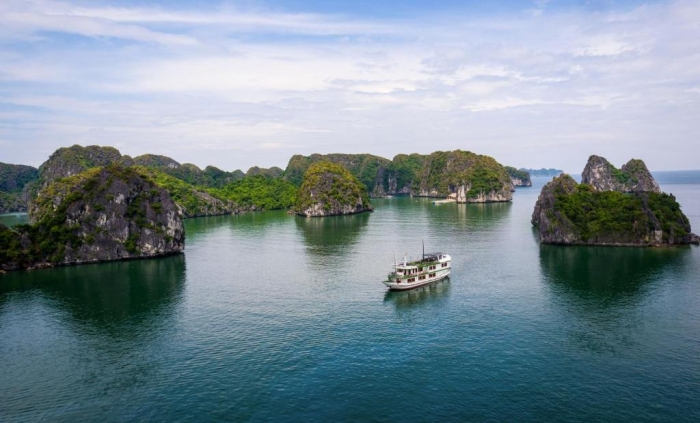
<point x="331" y="236"/>
<point x="467" y="218"/>
<point x="435" y="292"/>
<point x="14" y="219"/>
<point x="598" y="290"/>
<point x="605" y="272"/>
<point x="245" y="223"/>
<point x="102" y="295"/>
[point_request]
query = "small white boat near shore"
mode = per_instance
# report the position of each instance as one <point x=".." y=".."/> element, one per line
<point x="412" y="274"/>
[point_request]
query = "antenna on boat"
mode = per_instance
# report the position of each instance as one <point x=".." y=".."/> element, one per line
<point x="396" y="262"/>
<point x="423" y="241"/>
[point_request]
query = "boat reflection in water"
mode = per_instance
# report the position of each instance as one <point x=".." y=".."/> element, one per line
<point x="427" y="294"/>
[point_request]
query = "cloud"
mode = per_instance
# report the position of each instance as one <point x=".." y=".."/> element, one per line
<point x="237" y="87"/>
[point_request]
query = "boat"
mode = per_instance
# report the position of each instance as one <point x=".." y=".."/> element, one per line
<point x="429" y="268"/>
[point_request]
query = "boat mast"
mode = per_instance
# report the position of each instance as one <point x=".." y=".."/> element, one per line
<point x="423" y="241"/>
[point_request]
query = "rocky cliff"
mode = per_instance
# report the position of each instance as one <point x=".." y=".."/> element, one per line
<point x="102" y="214"/>
<point x="608" y="212"/>
<point x="69" y="161"/>
<point x="329" y="189"/>
<point x="554" y="226"/>
<point x="399" y="176"/>
<point x="633" y="177"/>
<point x="193" y="201"/>
<point x="188" y="185"/>
<point x="519" y="178"/>
<point x="472" y="177"/>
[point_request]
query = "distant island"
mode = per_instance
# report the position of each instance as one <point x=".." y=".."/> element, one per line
<point x="519" y="177"/>
<point x="543" y="172"/>
<point x="611" y="206"/>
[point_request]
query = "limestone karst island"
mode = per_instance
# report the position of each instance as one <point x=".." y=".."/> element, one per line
<point x="611" y="206"/>
<point x="93" y="204"/>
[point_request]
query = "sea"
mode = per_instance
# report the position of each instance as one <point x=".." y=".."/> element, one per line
<point x="272" y="317"/>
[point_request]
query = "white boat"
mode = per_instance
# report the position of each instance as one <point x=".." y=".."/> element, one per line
<point x="411" y="274"/>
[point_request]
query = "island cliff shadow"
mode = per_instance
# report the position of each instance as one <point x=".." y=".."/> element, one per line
<point x="605" y="272"/>
<point x="333" y="235"/>
<point x="105" y="298"/>
<point x="599" y="290"/>
<point x="433" y="293"/>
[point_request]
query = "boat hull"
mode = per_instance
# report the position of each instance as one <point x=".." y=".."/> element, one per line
<point x="404" y="286"/>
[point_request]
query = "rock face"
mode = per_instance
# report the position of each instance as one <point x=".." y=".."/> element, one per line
<point x="400" y="176"/>
<point x="610" y="212"/>
<point x="102" y="214"/>
<point x="633" y="177"/>
<point x="192" y="201"/>
<point x="519" y="178"/>
<point x="69" y="161"/>
<point x="473" y="178"/>
<point x="328" y="189"/>
<point x="187" y="184"/>
<point x="555" y="228"/>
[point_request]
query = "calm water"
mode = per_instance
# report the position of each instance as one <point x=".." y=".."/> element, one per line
<point x="273" y="317"/>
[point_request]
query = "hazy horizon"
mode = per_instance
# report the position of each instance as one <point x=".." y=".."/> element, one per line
<point x="236" y="84"/>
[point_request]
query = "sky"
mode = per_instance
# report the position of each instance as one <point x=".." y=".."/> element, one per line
<point x="237" y="84"/>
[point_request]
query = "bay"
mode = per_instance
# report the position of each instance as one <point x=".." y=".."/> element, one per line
<point x="274" y="317"/>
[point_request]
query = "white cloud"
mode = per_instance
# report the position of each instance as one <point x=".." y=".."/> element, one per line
<point x="240" y="87"/>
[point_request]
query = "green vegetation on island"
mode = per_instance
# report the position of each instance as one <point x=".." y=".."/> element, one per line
<point x="210" y="177"/>
<point x="260" y="193"/>
<point x="365" y="167"/>
<point x="13" y="180"/>
<point x="402" y="173"/>
<point x="606" y="211"/>
<point x="101" y="214"/>
<point x="329" y="189"/>
<point x="616" y="217"/>
<point x="475" y="178"/>
<point x="194" y="201"/>
<point x="543" y="172"/>
<point x="520" y="178"/>
<point x="273" y="172"/>
<point x="481" y="177"/>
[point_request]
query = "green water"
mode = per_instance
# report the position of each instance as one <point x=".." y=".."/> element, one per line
<point x="273" y="317"/>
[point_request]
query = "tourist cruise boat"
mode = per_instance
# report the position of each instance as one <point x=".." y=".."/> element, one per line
<point x="412" y="274"/>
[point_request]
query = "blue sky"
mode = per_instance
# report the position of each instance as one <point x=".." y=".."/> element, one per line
<point x="242" y="83"/>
